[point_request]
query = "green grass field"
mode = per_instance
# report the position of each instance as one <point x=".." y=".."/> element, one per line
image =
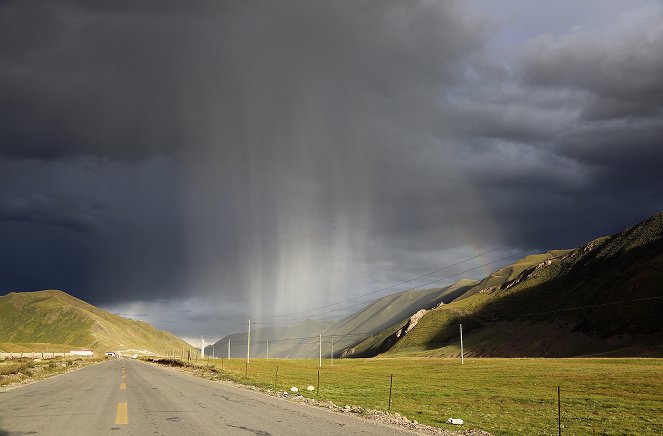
<point x="502" y="396"/>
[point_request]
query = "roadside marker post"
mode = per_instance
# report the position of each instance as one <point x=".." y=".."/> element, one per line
<point x="559" y="412"/>
<point x="391" y="384"/>
<point x="248" y="345"/>
<point x="462" y="357"/>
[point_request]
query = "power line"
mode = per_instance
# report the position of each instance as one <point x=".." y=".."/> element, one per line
<point x="365" y="335"/>
<point x="591" y="306"/>
<point x="412" y="289"/>
<point x="392" y="286"/>
<point x="382" y="289"/>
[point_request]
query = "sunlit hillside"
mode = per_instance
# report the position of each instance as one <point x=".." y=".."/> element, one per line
<point x="603" y="298"/>
<point x="37" y="320"/>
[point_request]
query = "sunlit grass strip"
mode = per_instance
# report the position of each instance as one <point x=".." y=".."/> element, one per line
<point x="503" y="396"/>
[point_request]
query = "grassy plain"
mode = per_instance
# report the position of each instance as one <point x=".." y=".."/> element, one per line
<point x="502" y="396"/>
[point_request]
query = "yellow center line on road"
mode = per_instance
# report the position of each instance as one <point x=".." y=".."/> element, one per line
<point x="121" y="416"/>
<point x="122" y="413"/>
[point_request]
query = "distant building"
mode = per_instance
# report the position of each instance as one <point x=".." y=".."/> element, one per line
<point x="86" y="353"/>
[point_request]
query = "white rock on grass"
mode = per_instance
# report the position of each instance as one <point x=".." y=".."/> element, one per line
<point x="310" y="388"/>
<point x="294" y="389"/>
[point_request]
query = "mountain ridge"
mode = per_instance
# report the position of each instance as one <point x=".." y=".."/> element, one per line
<point x="569" y="303"/>
<point x="55" y="317"/>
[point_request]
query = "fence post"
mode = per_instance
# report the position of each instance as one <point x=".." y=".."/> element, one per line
<point x="391" y="384"/>
<point x="318" y="394"/>
<point x="559" y="413"/>
<point x="276" y="378"/>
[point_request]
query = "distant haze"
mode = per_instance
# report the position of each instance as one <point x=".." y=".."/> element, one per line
<point x="193" y="163"/>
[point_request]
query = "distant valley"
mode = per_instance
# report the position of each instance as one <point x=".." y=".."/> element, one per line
<point x="604" y="298"/>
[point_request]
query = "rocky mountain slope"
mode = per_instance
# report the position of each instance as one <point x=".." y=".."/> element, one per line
<point x="301" y="339"/>
<point x="604" y="298"/>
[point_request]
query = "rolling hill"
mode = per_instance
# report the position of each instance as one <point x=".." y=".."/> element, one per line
<point x="54" y="319"/>
<point x="284" y="341"/>
<point x="602" y="299"/>
<point x="301" y="339"/>
<point x="386" y="313"/>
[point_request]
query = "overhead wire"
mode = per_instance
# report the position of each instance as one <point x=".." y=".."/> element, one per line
<point x="412" y="289"/>
<point x="366" y="335"/>
<point x="392" y="286"/>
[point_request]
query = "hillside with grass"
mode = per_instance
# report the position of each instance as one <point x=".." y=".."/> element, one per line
<point x="301" y="340"/>
<point x="379" y="315"/>
<point x="50" y="320"/>
<point x="602" y="299"/>
<point x="281" y="343"/>
<point x="363" y="333"/>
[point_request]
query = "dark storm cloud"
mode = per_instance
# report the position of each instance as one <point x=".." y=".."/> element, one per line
<point x="268" y="156"/>
<point x="119" y="82"/>
<point x="621" y="76"/>
<point x="61" y="211"/>
<point x="568" y="131"/>
<point x="620" y="124"/>
<point x="83" y="83"/>
<point x="101" y="230"/>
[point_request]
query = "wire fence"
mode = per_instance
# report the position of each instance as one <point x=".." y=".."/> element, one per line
<point x="503" y="396"/>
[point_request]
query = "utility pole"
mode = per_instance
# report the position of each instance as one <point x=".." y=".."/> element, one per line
<point x="462" y="357"/>
<point x="320" y="365"/>
<point x="248" y="344"/>
<point x="332" y="353"/>
<point x="202" y="347"/>
<point x="228" y="348"/>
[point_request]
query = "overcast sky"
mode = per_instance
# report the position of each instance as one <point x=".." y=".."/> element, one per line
<point x="191" y="163"/>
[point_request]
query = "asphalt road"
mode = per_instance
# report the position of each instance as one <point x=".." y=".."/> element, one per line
<point x="129" y="397"/>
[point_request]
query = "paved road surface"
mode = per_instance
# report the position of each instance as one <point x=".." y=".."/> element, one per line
<point x="128" y="397"/>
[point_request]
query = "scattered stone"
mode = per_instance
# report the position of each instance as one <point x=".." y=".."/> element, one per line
<point x="378" y="416"/>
